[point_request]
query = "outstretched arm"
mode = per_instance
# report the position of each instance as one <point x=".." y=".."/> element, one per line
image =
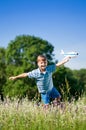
<point x="66" y="59"/>
<point x="23" y="75"/>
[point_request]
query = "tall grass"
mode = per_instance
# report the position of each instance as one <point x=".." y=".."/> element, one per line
<point x="28" y="116"/>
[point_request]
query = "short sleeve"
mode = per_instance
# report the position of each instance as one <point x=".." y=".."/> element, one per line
<point x="32" y="74"/>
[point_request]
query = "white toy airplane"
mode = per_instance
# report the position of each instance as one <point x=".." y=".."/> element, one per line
<point x="70" y="54"/>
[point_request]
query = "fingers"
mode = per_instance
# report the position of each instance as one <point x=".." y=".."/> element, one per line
<point x="67" y="58"/>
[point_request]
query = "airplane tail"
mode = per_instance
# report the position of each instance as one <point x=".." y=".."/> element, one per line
<point x="62" y="52"/>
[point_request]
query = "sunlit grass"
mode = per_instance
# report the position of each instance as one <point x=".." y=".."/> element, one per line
<point x="28" y="116"/>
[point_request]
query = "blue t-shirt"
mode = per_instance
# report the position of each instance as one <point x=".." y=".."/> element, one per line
<point x="43" y="80"/>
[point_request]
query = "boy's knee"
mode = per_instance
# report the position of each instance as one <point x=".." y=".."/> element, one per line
<point x="46" y="106"/>
<point x="56" y="101"/>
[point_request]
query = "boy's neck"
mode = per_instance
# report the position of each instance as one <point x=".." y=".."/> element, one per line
<point x="43" y="70"/>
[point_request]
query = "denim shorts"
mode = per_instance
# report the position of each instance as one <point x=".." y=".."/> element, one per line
<point x="52" y="94"/>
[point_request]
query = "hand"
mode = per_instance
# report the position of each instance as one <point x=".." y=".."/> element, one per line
<point x="67" y="58"/>
<point x="12" y="78"/>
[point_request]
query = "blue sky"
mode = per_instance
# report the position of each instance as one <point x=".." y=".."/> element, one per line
<point x="61" y="22"/>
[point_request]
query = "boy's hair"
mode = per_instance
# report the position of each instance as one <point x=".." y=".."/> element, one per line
<point x="41" y="58"/>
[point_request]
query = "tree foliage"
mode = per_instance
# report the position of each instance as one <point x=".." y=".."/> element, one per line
<point x="2" y="71"/>
<point x="70" y="83"/>
<point x="80" y="75"/>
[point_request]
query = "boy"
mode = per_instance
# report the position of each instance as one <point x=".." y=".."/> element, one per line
<point x="43" y="77"/>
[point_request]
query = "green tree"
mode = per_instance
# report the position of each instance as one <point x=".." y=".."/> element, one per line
<point x="66" y="83"/>
<point x="81" y="77"/>
<point x="2" y="71"/>
<point x="21" y="55"/>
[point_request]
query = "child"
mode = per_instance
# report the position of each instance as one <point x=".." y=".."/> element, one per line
<point x="43" y="77"/>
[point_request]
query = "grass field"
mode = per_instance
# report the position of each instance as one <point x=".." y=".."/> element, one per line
<point x="27" y="116"/>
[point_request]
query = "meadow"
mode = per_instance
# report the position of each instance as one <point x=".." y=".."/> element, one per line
<point x="26" y="115"/>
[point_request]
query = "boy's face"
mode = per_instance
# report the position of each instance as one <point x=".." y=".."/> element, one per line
<point x="42" y="65"/>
